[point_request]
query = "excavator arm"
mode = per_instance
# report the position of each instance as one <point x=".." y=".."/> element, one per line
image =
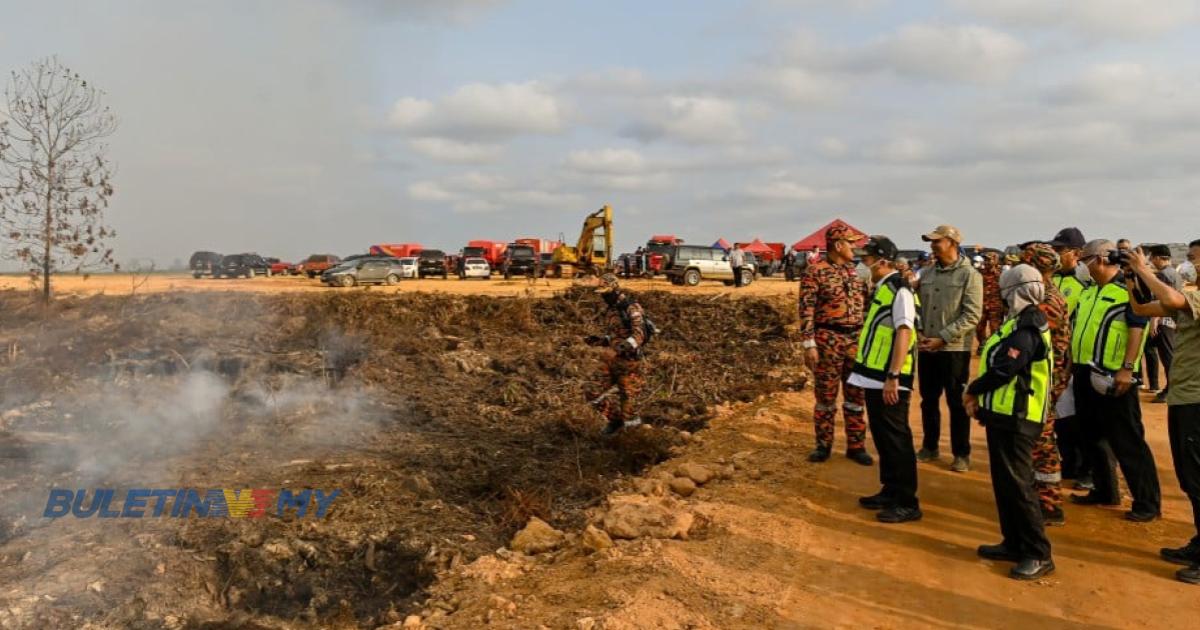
<point x="594" y="249"/>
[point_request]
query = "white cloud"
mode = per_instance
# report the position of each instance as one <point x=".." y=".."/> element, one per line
<point x="962" y="53"/>
<point x="610" y="161"/>
<point x="1118" y="18"/>
<point x="690" y="119"/>
<point x="429" y="191"/>
<point x="902" y="150"/>
<point x="454" y="151"/>
<point x="833" y="147"/>
<point x="784" y="190"/>
<point x="476" y="192"/>
<point x="1111" y="83"/>
<point x="479" y="112"/>
<point x="1058" y="141"/>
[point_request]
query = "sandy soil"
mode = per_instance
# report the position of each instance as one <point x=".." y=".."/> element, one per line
<point x="788" y="547"/>
<point x="124" y="284"/>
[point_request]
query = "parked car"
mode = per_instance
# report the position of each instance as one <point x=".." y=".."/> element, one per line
<point x="242" y="265"/>
<point x="476" y="268"/>
<point x="373" y="270"/>
<point x="690" y="264"/>
<point x="202" y="263"/>
<point x="520" y="260"/>
<point x="408" y="267"/>
<point x="546" y="259"/>
<point x="316" y="264"/>
<point x="431" y="262"/>
<point x="280" y="268"/>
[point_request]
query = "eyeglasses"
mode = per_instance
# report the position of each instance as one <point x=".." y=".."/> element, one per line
<point x="1087" y="260"/>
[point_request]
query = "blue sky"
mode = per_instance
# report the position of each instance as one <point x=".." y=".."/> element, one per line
<point x="314" y="125"/>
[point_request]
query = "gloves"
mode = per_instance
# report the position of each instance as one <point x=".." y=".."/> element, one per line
<point x="626" y="349"/>
<point x="597" y="340"/>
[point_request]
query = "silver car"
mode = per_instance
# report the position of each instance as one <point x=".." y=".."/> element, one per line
<point x="363" y="271"/>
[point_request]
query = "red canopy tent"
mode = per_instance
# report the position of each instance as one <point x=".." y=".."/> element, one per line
<point x="756" y="247"/>
<point x="722" y="243"/>
<point x="817" y="238"/>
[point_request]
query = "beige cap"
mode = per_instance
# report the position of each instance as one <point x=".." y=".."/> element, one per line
<point x="1098" y="247"/>
<point x="943" y="231"/>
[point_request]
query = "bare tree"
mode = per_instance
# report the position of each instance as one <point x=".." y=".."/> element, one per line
<point x="55" y="180"/>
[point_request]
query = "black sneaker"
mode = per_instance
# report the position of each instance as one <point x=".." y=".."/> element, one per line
<point x="1159" y="398"/>
<point x="875" y="502"/>
<point x="1091" y="498"/>
<point x="999" y="553"/>
<point x="819" y="454"/>
<point x="1054" y="518"/>
<point x="1141" y="517"/>
<point x="860" y="456"/>
<point x="1085" y="483"/>
<point x="898" y="514"/>
<point x="1191" y="575"/>
<point x="1186" y="555"/>
<point x="926" y="455"/>
<point x="1030" y="569"/>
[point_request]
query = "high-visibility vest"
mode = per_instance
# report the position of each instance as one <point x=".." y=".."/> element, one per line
<point x="1071" y="287"/>
<point x="875" y="346"/>
<point x="1027" y="395"/>
<point x="1100" y="334"/>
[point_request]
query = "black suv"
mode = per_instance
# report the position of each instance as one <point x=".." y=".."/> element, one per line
<point x="520" y="260"/>
<point x="203" y="263"/>
<point x="238" y="265"/>
<point x="431" y="262"/>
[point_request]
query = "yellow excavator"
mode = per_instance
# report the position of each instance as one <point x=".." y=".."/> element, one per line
<point x="593" y="252"/>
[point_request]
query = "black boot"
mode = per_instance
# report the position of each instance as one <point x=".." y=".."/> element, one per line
<point x="1186" y="555"/>
<point x="1000" y="553"/>
<point x="819" y="454"/>
<point x="1031" y="569"/>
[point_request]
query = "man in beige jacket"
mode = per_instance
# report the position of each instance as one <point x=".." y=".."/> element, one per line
<point x="951" y="294"/>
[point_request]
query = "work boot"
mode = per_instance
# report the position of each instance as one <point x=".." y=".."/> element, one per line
<point x="875" y="502"/>
<point x="1054" y="517"/>
<point x="1031" y="569"/>
<point x="1191" y="575"/>
<point x="999" y="553"/>
<point x="819" y="454"/>
<point x="1187" y="555"/>
<point x="961" y="464"/>
<point x="860" y="456"/>
<point x="1141" y="517"/>
<point x="926" y="455"/>
<point x="1092" y="498"/>
<point x="898" y="514"/>
<point x="1160" y="397"/>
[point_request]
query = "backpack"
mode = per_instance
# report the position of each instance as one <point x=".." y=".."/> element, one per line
<point x="649" y="329"/>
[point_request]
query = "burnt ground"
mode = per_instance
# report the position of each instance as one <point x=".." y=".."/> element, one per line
<point x="446" y="421"/>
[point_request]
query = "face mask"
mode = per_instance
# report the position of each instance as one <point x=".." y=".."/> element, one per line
<point x="864" y="272"/>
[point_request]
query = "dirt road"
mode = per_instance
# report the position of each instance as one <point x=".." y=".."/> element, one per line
<point x="788" y="547"/>
<point x="124" y="284"/>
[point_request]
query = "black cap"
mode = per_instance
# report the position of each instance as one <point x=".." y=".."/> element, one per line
<point x="1158" y="250"/>
<point x="1068" y="237"/>
<point x="879" y="247"/>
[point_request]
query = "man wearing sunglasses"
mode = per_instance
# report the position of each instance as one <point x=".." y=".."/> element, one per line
<point x="1106" y="347"/>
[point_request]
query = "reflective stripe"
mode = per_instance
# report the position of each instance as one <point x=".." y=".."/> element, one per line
<point x="1100" y="334"/>
<point x="851" y="407"/>
<point x="875" y="341"/>
<point x="1047" y="477"/>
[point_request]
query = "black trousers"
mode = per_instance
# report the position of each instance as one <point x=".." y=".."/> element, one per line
<point x="1114" y="434"/>
<point x="1072" y="447"/>
<point x="737" y="277"/>
<point x="1160" y="349"/>
<point x="1010" y="454"/>
<point x="894" y="443"/>
<point x="947" y="372"/>
<point x="1183" y="428"/>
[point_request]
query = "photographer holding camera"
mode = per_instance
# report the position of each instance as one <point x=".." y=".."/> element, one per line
<point x="1106" y="348"/>
<point x="1183" y="399"/>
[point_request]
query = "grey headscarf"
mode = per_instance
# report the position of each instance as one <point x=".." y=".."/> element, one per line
<point x="1020" y="287"/>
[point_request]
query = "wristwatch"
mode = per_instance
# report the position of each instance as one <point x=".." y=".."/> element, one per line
<point x="1128" y="365"/>
<point x="893" y="376"/>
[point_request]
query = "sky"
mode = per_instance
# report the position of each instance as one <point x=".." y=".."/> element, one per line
<point x="303" y="126"/>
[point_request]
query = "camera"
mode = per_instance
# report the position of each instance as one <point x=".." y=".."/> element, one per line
<point x="1118" y="257"/>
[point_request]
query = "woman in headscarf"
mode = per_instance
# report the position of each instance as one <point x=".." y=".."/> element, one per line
<point x="1011" y="397"/>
